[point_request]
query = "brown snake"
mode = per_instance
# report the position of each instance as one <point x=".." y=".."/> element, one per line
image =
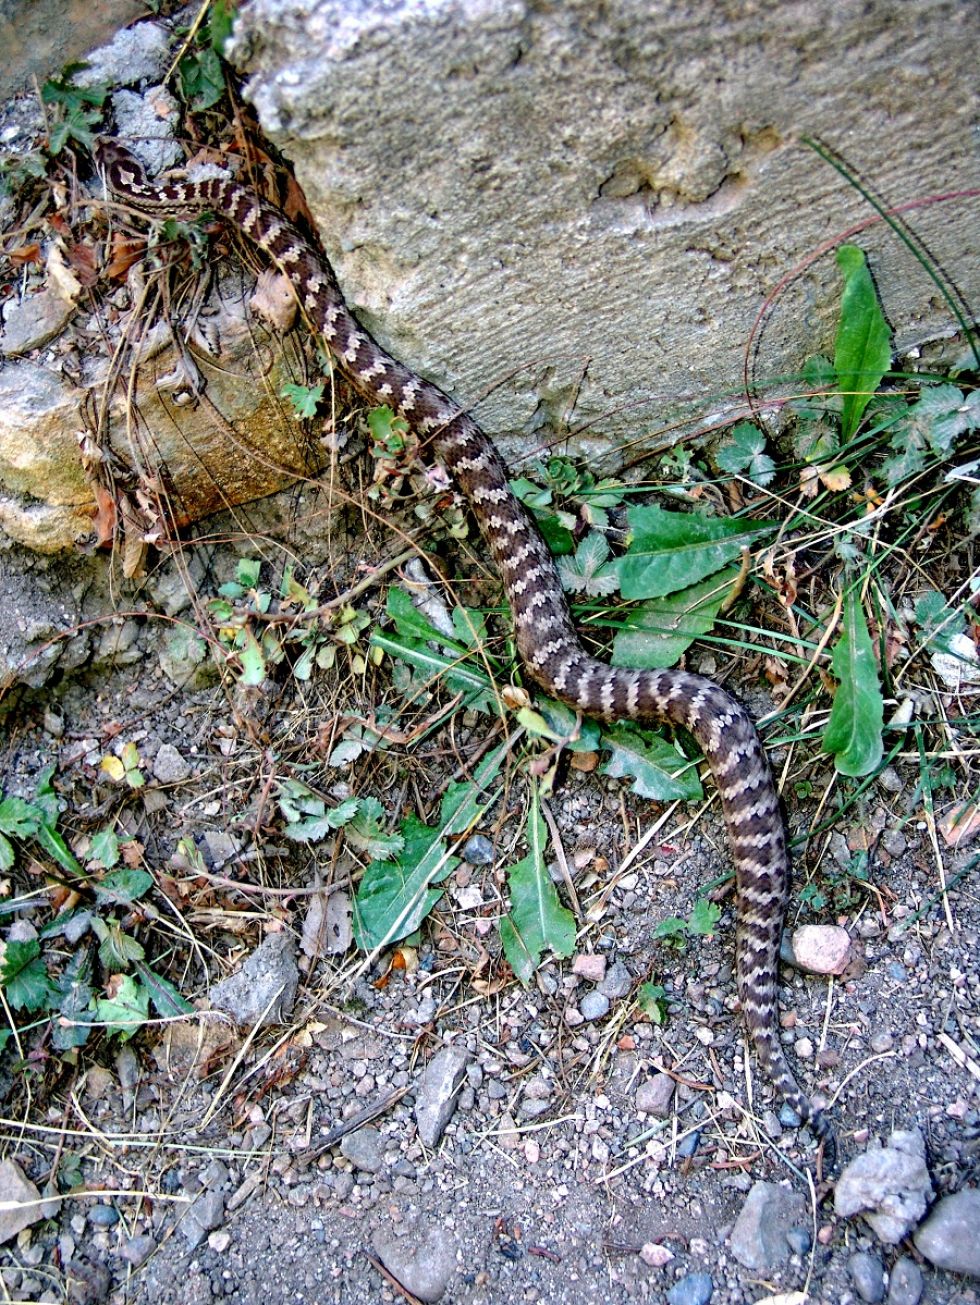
<point x="546" y="638"/>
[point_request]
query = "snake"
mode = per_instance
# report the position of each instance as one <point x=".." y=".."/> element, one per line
<point x="548" y="643"/>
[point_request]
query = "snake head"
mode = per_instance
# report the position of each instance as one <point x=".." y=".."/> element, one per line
<point x="118" y="168"/>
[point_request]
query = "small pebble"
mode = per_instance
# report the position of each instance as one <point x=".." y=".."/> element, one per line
<point x="590" y="965"/>
<point x="905" y="1282"/>
<point x="799" y="1240"/>
<point x="594" y="1005"/>
<point x="694" y="1289"/>
<point x="618" y="981"/>
<point x="689" y="1145"/>
<point x="868" y="1276"/>
<point x="478" y="850"/>
<point x="103" y="1216"/>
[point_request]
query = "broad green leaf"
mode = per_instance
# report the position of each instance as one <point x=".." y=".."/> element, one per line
<point x="654" y="636"/>
<point x="862" y="349"/>
<point x="367" y="832"/>
<point x="19" y="818"/>
<point x="247" y="572"/>
<point x="6" y="852"/>
<point x="574" y="731"/>
<point x="104" y="848"/>
<point x="537" y="920"/>
<point x="394" y="897"/>
<point x="123" y="886"/>
<point x="252" y="661"/>
<point x="657" y="770"/>
<point x="167" y="1001"/>
<point x="671" y="550"/>
<point x="127" y="1011"/>
<point x="24" y="977"/>
<point x="116" y="949"/>
<point x="57" y="849"/>
<point x="457" y="676"/>
<point x="854" y="730"/>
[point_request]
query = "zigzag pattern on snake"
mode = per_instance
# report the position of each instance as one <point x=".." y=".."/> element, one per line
<point x="546" y="638"/>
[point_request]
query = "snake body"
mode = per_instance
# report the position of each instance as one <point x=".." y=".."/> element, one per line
<point x="549" y="646"/>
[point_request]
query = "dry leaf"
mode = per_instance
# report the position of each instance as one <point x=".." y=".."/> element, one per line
<point x="124" y="252"/>
<point x="961" y="825"/>
<point x="61" y="278"/>
<point x="274" y="300"/>
<point x="25" y="254"/>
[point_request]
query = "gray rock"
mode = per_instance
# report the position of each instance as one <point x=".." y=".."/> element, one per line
<point x="15" y="1186"/>
<point x="439" y="163"/>
<point x="148" y="122"/>
<point x="435" y="1101"/>
<point x="203" y="1216"/>
<point x="950" y="1237"/>
<point x="169" y="767"/>
<point x="594" y="1005"/>
<point x="137" y="53"/>
<point x="868" y="1275"/>
<point x="759" y="1239"/>
<point x="654" y="1095"/>
<point x="889" y="1185"/>
<point x="30" y="322"/>
<point x="905" y="1282"/>
<point x="422" y="1256"/>
<point x="478" y="850"/>
<point x="693" y="1289"/>
<point x="103" y="1216"/>
<point x="264" y="989"/>
<point x="617" y="983"/>
<point x="364" y="1148"/>
<point x="138" y="1249"/>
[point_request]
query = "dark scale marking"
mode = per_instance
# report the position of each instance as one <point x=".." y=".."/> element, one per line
<point x="546" y="638"/>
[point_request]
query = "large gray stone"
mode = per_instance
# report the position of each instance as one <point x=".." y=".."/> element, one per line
<point x="889" y="1185"/>
<point x="949" y="1237"/>
<point x="584" y="206"/>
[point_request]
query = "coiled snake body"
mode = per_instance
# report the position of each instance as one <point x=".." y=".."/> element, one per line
<point x="546" y="638"/>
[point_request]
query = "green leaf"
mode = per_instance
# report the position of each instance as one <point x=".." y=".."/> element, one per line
<point x="366" y="830"/>
<point x="457" y="676"/>
<point x="652" y="1000"/>
<point x="304" y="398"/>
<point x="202" y="80"/>
<point x="247" y="573"/>
<point x="252" y="661"/>
<point x="24" y="977"/>
<point x="116" y="949"/>
<point x="58" y="849"/>
<point x="19" y="818"/>
<point x="654" y="635"/>
<point x="127" y="1011"/>
<point x="394" y="897"/>
<point x="671" y="550"/>
<point x="313" y="827"/>
<point x="74" y="994"/>
<point x="105" y="848"/>
<point x="537" y="920"/>
<point x="704" y="917"/>
<point x="167" y="1001"/>
<point x="388" y="431"/>
<point x="6" y="853"/>
<point x="589" y="571"/>
<point x="744" y="453"/>
<point x="576" y="732"/>
<point x="862" y="349"/>
<point x="123" y="886"/>
<point x="657" y="770"/>
<point x="854" y="730"/>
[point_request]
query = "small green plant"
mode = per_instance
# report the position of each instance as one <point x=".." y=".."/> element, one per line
<point x="652" y="1000"/>
<point x="49" y="980"/>
<point x="77" y="109"/>
<point x="703" y="920"/>
<point x="305" y="399"/>
<point x="201" y="72"/>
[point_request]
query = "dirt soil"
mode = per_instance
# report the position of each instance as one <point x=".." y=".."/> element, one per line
<point x="548" y="1180"/>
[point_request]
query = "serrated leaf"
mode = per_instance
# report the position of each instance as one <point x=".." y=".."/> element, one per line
<point x="654" y="636"/>
<point x="73" y="995"/>
<point x="24" y="977"/>
<point x="652" y="1000"/>
<point x="167" y="1001"/>
<point x="862" y="349"/>
<point x="854" y="731"/>
<point x="589" y="571"/>
<point x="744" y="453"/>
<point x="704" y="917"/>
<point x="123" y="886"/>
<point x="127" y="1010"/>
<point x="394" y="897"/>
<point x="321" y="822"/>
<point x="672" y="550"/>
<point x="657" y="770"/>
<point x="537" y="921"/>
<point x="366" y="831"/>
